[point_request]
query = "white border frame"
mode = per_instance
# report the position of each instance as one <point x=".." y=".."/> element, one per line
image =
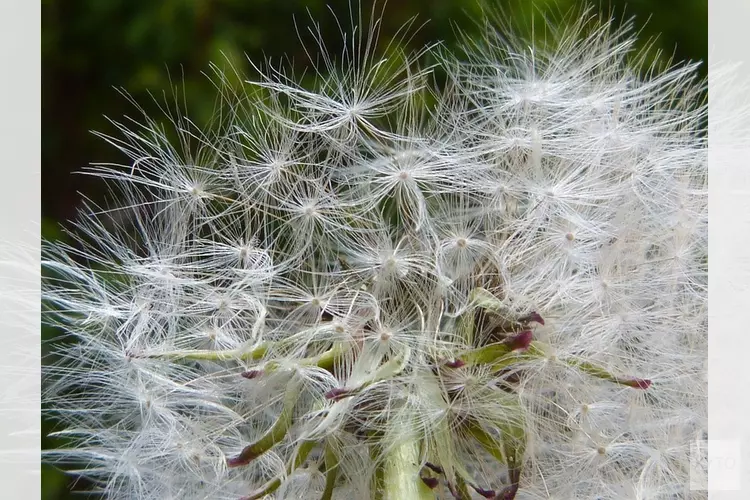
<point x="729" y="249"/>
<point x="20" y="216"/>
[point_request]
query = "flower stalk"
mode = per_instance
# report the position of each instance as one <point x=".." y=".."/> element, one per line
<point x="401" y="473"/>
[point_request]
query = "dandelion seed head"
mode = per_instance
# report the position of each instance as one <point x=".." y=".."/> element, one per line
<point x="504" y="277"/>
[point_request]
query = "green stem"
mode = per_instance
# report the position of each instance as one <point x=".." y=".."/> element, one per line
<point x="401" y="479"/>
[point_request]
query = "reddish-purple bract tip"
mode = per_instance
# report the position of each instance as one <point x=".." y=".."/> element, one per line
<point x="532" y="316"/>
<point x="639" y="383"/>
<point x="521" y="341"/>
<point x="431" y="482"/>
<point x="337" y="394"/>
<point x="251" y="374"/>
<point x="434" y="468"/>
<point x="456" y="363"/>
<point x="239" y="460"/>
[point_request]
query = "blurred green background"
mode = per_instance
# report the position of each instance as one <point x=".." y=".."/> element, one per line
<point x="91" y="46"/>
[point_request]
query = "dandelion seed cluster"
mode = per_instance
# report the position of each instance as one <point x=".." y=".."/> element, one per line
<point x="381" y="287"/>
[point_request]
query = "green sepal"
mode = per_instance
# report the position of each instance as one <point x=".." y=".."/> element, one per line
<point x="255" y="353"/>
<point x="327" y="360"/>
<point x="461" y="490"/>
<point x="599" y="372"/>
<point x="509" y="449"/>
<point x="489" y="354"/>
<point x="479" y="298"/>
<point x="514" y="448"/>
<point x="482" y="298"/>
<point x="489" y="443"/>
<point x="536" y="351"/>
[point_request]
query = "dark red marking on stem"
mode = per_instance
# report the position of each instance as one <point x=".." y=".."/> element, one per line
<point x="507" y="493"/>
<point x="246" y="456"/>
<point x="483" y="492"/>
<point x="431" y="482"/>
